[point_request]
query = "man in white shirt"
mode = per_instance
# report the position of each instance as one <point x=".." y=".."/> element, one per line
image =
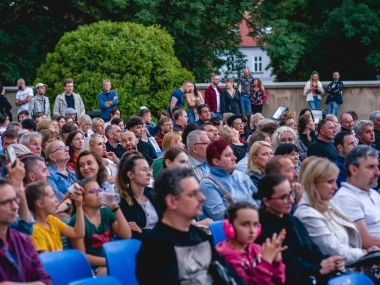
<point x="23" y="96"/>
<point x="356" y="198"/>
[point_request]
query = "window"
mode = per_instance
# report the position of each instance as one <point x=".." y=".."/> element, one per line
<point x="257" y="63"/>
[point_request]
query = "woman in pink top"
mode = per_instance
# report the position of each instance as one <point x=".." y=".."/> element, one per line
<point x="254" y="263"/>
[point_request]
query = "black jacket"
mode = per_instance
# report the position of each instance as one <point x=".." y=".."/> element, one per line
<point x="333" y="96"/>
<point x="135" y="213"/>
<point x="302" y="258"/>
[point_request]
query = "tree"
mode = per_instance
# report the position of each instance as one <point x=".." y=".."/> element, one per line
<point x="204" y="31"/>
<point x="139" y="60"/>
<point x="327" y="35"/>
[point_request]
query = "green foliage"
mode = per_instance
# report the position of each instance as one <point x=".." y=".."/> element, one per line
<point x="324" y="35"/>
<point x="139" y="61"/>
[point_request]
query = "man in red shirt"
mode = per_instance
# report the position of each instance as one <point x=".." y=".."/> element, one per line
<point x="212" y="97"/>
<point x="19" y="259"/>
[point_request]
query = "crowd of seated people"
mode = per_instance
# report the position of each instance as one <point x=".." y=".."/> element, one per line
<point x="272" y="184"/>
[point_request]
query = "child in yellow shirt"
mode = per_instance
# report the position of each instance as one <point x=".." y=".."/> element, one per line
<point x="48" y="229"/>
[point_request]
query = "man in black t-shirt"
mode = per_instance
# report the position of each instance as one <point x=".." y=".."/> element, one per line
<point x="175" y="251"/>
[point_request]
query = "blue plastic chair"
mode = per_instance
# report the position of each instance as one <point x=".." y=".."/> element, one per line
<point x="217" y="232"/>
<point x="121" y="260"/>
<point x="101" y="280"/>
<point x="351" y="279"/>
<point x="66" y="266"/>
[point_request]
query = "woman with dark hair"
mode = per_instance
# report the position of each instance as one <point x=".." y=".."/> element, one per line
<point x="189" y="128"/>
<point x="5" y="106"/>
<point x="258" y="96"/>
<point x="230" y="99"/>
<point x="291" y="151"/>
<point x="176" y="157"/>
<point x="224" y="185"/>
<point x="137" y="203"/>
<point x="216" y="122"/>
<point x="115" y="113"/>
<point x="193" y="98"/>
<point x="306" y="130"/>
<point x="118" y="122"/>
<point x="74" y="141"/>
<point x="65" y="130"/>
<point x="90" y="166"/>
<point x="306" y="111"/>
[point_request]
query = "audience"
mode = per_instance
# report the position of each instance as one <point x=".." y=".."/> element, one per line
<point x="291" y="151"/>
<point x="259" y="154"/>
<point x="74" y="142"/>
<point x="197" y="142"/>
<point x="344" y="141"/>
<point x="176" y="157"/>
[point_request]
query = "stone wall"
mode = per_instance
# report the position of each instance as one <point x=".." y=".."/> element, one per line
<point x="361" y="96"/>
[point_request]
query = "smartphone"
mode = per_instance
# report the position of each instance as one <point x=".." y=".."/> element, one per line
<point x="11" y="155"/>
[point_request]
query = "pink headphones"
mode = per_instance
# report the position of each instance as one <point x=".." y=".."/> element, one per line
<point x="229" y="230"/>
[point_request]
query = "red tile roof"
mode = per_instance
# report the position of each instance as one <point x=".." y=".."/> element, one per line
<point x="247" y="41"/>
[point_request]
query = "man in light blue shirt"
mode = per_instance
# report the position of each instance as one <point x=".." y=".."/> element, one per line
<point x="108" y="100"/>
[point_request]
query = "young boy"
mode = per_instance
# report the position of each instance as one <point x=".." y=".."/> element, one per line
<point x="47" y="230"/>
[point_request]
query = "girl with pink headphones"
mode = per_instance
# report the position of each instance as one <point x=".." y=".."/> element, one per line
<point x="254" y="263"/>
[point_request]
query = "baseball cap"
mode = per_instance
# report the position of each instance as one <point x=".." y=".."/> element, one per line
<point x="70" y="111"/>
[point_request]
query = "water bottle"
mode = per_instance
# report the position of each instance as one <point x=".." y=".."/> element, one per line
<point x="109" y="198"/>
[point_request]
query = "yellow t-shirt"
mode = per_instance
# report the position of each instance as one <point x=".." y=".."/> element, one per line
<point x="45" y="239"/>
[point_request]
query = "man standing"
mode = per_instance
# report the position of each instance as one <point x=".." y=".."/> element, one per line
<point x="128" y="140"/>
<point x="183" y="253"/>
<point x="23" y="96"/>
<point x="176" y="99"/>
<point x="197" y="142"/>
<point x="108" y="100"/>
<point x="356" y="198"/>
<point x="323" y="146"/>
<point x="244" y="87"/>
<point x="212" y="97"/>
<point x="334" y="94"/>
<point x="19" y="259"/>
<point x="204" y="114"/>
<point x="113" y="134"/>
<point x="180" y="117"/>
<point x="68" y="99"/>
<point x="40" y="103"/>
<point x="344" y="142"/>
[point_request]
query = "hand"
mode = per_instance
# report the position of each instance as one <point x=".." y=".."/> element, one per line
<point x="16" y="174"/>
<point x="299" y="191"/>
<point x="373" y="248"/>
<point x="271" y="247"/>
<point x="111" y="155"/>
<point x="134" y="227"/>
<point x="333" y="263"/>
<point x="281" y="238"/>
<point x="267" y="102"/>
<point x="77" y="197"/>
<point x="205" y="222"/>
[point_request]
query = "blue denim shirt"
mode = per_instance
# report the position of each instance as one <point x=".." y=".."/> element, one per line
<point x="24" y="226"/>
<point x="103" y="97"/>
<point x="59" y="182"/>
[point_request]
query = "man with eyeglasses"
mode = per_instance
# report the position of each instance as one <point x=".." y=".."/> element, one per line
<point x="324" y="145"/>
<point x="305" y="263"/>
<point x="197" y="142"/>
<point x="204" y="114"/>
<point x="212" y="97"/>
<point x="113" y="134"/>
<point x="166" y="126"/>
<point x="20" y="262"/>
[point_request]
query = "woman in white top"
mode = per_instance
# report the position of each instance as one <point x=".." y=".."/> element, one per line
<point x="313" y="91"/>
<point x="327" y="226"/>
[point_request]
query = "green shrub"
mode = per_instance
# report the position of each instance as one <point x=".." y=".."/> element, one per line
<point x="139" y="61"/>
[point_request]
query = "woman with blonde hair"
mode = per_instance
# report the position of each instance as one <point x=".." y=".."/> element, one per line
<point x="313" y="91"/>
<point x="48" y="136"/>
<point x="98" y="128"/>
<point x="259" y="154"/>
<point x="326" y="224"/>
<point x="170" y="139"/>
<point x="84" y="124"/>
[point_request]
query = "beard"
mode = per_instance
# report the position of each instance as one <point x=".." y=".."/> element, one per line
<point x="19" y="87"/>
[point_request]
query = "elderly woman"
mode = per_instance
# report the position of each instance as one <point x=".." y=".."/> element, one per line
<point x="224" y="185"/>
<point x="254" y="120"/>
<point x="170" y="139"/>
<point x="84" y="124"/>
<point x="61" y="177"/>
<point x="33" y="141"/>
<point x="327" y="226"/>
<point x="99" y="128"/>
<point x="259" y="154"/>
<point x="233" y="137"/>
<point x="288" y="135"/>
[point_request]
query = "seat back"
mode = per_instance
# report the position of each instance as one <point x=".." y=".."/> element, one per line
<point x="351" y="279"/>
<point x="217" y="232"/>
<point x="66" y="266"/>
<point x="121" y="260"/>
<point x="101" y="280"/>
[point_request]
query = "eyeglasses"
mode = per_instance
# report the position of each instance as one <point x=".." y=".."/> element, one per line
<point x="168" y="124"/>
<point x="287" y="198"/>
<point x="292" y="124"/>
<point x="95" y="192"/>
<point x="60" y="148"/>
<point x="240" y="124"/>
<point x="204" y="143"/>
<point x="8" y="203"/>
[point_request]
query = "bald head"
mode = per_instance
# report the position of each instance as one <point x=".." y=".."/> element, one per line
<point x="246" y="72"/>
<point x="128" y="140"/>
<point x="347" y="122"/>
<point x="21" y="84"/>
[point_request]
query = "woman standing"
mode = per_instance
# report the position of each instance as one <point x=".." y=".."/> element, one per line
<point x="258" y="96"/>
<point x="75" y="142"/>
<point x="313" y="91"/>
<point x="137" y="203"/>
<point x="193" y="98"/>
<point x="230" y="99"/>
